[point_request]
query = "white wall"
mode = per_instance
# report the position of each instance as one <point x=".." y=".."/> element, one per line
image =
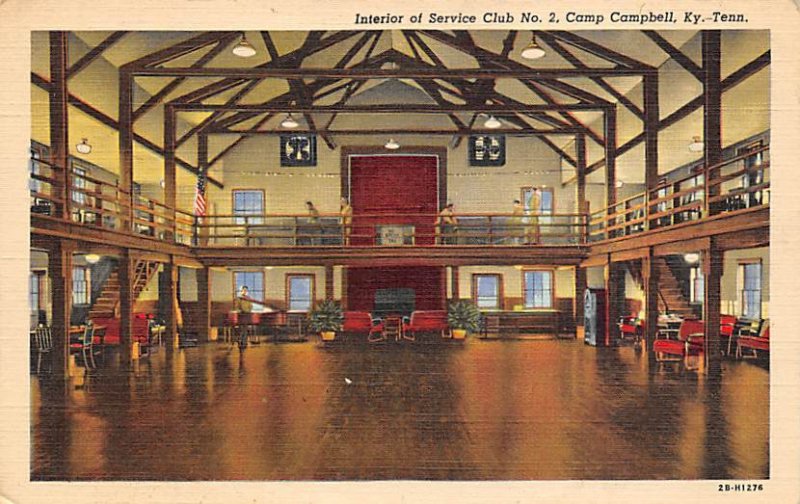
<point x="731" y="280"/>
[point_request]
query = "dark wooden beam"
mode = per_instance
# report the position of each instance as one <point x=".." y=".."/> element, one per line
<point x="107" y="120"/>
<point x="548" y="98"/>
<point x="711" y="41"/>
<point x="393" y="108"/>
<point x="126" y="135"/>
<point x="170" y="176"/>
<point x="182" y="48"/>
<point x="728" y="83"/>
<point x="600" y="51"/>
<point x="676" y="54"/>
<point x="59" y="121"/>
<point x="465" y="131"/>
<point x="166" y="90"/>
<point x="610" y="134"/>
<point x="577" y="63"/>
<point x="508" y="43"/>
<point x="59" y="258"/>
<point x="580" y="169"/>
<point x="651" y="128"/>
<point x="342" y="73"/>
<point x="712" y="264"/>
<point x="126" y="274"/>
<point x="94" y="53"/>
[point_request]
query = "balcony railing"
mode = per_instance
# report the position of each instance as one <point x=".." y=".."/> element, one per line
<point x="387" y="229"/>
<point x="733" y="185"/>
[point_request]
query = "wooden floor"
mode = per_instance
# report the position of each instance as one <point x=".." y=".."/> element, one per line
<point x="481" y="410"/>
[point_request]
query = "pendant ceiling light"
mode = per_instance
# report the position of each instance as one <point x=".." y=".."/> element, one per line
<point x="492" y="123"/>
<point x="289" y="122"/>
<point x="244" y="49"/>
<point x="91" y="258"/>
<point x="696" y="145"/>
<point x="392" y="145"/>
<point x="84" y="147"/>
<point x="691" y="257"/>
<point x="619" y="184"/>
<point x="532" y="50"/>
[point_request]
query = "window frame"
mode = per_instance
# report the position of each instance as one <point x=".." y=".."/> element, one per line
<point x="241" y="219"/>
<point x="552" y="274"/>
<point x="743" y="263"/>
<point x="256" y="307"/>
<point x="696" y="281"/>
<point x="551" y="190"/>
<point x="288" y="291"/>
<point x="85" y="293"/>
<point x="499" y="295"/>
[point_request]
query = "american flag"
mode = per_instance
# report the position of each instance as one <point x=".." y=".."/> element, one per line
<point x="200" y="195"/>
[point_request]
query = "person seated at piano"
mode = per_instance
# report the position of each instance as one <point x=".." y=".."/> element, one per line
<point x="243" y="304"/>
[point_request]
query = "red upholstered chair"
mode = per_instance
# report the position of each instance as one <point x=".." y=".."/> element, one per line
<point x="754" y="343"/>
<point x="631" y="328"/>
<point x="727" y="326"/>
<point x="689" y="343"/>
<point x="357" y="322"/>
<point x="426" y="321"/>
<point x="141" y="328"/>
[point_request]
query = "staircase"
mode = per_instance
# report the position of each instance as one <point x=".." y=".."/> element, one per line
<point x="672" y="298"/>
<point x="107" y="303"/>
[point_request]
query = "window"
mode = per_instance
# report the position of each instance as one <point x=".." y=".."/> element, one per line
<point x="538" y="289"/>
<point x="545" y="200"/>
<point x="248" y="202"/>
<point x="750" y="274"/>
<point x="79" y="182"/>
<point x="254" y="281"/>
<point x="300" y="292"/>
<point x="487" y="291"/>
<point x="33" y="291"/>
<point x="698" y="287"/>
<point x="81" y="285"/>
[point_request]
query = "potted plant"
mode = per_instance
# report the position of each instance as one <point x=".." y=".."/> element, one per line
<point x="463" y="316"/>
<point x="326" y="318"/>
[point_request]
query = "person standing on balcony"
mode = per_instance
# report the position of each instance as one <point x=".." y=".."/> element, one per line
<point x="346" y="213"/>
<point x="447" y="225"/>
<point x="315" y="227"/>
<point x="532" y="230"/>
<point x="518" y="232"/>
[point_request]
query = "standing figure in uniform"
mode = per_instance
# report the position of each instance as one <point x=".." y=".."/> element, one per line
<point x="447" y="225"/>
<point x="346" y="214"/>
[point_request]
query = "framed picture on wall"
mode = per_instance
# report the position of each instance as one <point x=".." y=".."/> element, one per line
<point x="487" y="150"/>
<point x="299" y="150"/>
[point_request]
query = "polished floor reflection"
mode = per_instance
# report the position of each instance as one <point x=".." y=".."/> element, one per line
<point x="483" y="410"/>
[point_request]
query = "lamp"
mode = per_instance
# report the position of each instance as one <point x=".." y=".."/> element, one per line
<point x="691" y="257"/>
<point x="289" y="122"/>
<point x="532" y="50"/>
<point x="244" y="49"/>
<point x="619" y="184"/>
<point x="84" y="147"/>
<point x="163" y="183"/>
<point x="91" y="258"/>
<point x="392" y="145"/>
<point x="696" y="145"/>
<point x="492" y="123"/>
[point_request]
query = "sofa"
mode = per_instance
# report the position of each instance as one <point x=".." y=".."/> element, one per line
<point x="427" y="321"/>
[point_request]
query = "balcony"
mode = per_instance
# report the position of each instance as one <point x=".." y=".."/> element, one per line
<point x="735" y="186"/>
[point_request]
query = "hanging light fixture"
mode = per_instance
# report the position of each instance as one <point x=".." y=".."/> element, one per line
<point x="492" y="122"/>
<point x="696" y="145"/>
<point x="618" y="184"/>
<point x="392" y="145"/>
<point x="691" y="257"/>
<point x="289" y="122"/>
<point x="84" y="147"/>
<point x="532" y="50"/>
<point x="244" y="49"/>
<point x="91" y="258"/>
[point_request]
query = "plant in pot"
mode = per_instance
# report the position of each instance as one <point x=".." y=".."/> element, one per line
<point x="326" y="318"/>
<point x="463" y="316"/>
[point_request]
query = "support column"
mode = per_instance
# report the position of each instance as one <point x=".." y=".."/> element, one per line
<point x="126" y="273"/>
<point x="170" y="182"/>
<point x="614" y="285"/>
<point x="712" y="276"/>
<point x="651" y="282"/>
<point x="712" y="108"/>
<point x="610" y="134"/>
<point x="202" y="166"/>
<point x="329" y="281"/>
<point x="582" y="206"/>
<point x="651" y="127"/>
<point x="580" y="288"/>
<point x="204" y="304"/>
<point x="168" y="289"/>
<point x="126" y="146"/>
<point x="59" y="122"/>
<point x="454" y="284"/>
<point x="60" y="271"/>
<point x="344" y="287"/>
